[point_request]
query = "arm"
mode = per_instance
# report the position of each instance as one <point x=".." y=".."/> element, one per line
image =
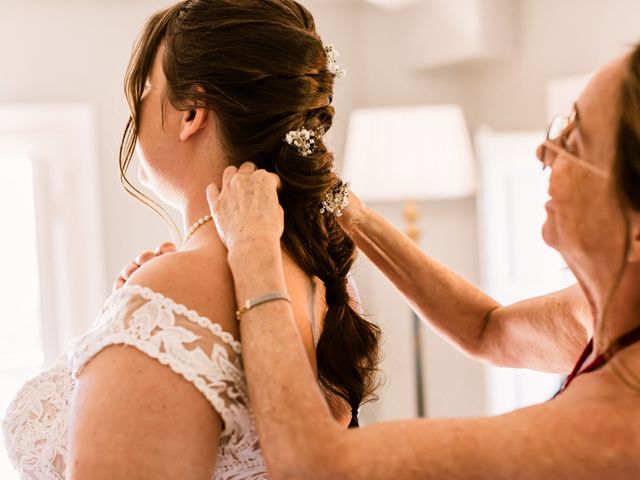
<point x="136" y="411"/>
<point x="149" y="424"/>
<point x="303" y="441"/>
<point x="546" y="441"/>
<point x="544" y="333"/>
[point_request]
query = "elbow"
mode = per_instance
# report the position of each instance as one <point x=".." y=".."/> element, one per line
<point x="481" y="347"/>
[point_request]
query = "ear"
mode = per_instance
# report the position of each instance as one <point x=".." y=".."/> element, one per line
<point x="633" y="255"/>
<point x="191" y="122"/>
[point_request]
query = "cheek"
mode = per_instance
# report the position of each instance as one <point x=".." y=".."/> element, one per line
<point x="584" y="209"/>
<point x="144" y="140"/>
<point x="572" y="197"/>
<point x="150" y="145"/>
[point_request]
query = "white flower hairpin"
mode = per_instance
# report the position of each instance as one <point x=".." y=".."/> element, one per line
<point x="304" y="140"/>
<point x="337" y="199"/>
<point x="332" y="62"/>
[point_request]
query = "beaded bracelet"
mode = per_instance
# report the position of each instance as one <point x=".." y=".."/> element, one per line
<point x="269" y="297"/>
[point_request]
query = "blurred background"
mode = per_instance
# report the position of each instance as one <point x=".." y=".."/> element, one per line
<point x="445" y="99"/>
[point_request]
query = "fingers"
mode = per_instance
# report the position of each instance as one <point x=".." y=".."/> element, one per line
<point x="145" y="257"/>
<point x="118" y="283"/>
<point x="227" y="175"/>
<point x="166" y="247"/>
<point x="128" y="271"/>
<point x="278" y="181"/>
<point x="247" y="167"/>
<point x="212" y="194"/>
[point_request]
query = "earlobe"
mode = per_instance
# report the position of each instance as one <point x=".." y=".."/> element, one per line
<point x="192" y="122"/>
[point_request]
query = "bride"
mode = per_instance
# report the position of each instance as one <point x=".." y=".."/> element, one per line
<point x="156" y="389"/>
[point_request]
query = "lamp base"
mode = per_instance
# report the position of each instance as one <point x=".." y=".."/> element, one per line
<point x="411" y="216"/>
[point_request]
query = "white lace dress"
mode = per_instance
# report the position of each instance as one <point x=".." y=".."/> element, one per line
<point x="35" y="426"/>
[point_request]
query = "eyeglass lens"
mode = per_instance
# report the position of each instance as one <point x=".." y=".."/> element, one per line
<point x="557" y="127"/>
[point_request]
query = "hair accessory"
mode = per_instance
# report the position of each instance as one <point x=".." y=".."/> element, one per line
<point x="332" y="62"/>
<point x="337" y="199"/>
<point x="303" y="139"/>
<point x="254" y="302"/>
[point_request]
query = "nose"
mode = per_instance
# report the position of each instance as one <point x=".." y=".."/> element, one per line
<point x="546" y="154"/>
<point x="540" y="151"/>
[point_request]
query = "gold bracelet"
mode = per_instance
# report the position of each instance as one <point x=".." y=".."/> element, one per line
<point x="269" y="297"/>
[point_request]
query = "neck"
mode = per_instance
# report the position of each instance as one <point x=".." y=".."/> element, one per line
<point x="621" y="311"/>
<point x="196" y="207"/>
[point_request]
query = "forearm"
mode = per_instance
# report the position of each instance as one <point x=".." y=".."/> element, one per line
<point x="545" y="333"/>
<point x="300" y="439"/>
<point x="293" y="419"/>
<point x="447" y="302"/>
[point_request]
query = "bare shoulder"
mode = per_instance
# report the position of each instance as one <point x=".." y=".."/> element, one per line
<point x="132" y="413"/>
<point x="200" y="280"/>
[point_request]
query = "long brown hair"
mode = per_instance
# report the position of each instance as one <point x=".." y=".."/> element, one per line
<point x="262" y="68"/>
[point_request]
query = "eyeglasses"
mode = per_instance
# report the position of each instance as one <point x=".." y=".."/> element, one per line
<point x="558" y="133"/>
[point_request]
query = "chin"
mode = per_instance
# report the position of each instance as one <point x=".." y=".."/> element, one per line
<point x="550" y="234"/>
<point x="143" y="177"/>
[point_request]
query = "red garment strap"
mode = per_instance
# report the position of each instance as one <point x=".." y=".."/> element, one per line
<point x="624" y="341"/>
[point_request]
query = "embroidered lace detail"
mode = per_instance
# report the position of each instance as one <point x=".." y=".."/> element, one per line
<point x="35" y="427"/>
<point x="36" y="424"/>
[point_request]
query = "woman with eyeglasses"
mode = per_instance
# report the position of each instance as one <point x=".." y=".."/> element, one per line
<point x="591" y="331"/>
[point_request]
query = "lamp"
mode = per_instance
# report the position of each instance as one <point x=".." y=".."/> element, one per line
<point x="409" y="154"/>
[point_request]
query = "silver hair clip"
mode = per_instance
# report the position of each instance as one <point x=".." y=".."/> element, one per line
<point x="337" y="199"/>
<point x="332" y="62"/>
<point x="304" y="140"/>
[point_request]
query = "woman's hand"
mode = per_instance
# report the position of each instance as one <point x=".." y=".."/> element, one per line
<point x="246" y="209"/>
<point x="352" y="216"/>
<point x="144" y="257"/>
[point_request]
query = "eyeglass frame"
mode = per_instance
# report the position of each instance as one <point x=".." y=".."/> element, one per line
<point x="569" y="122"/>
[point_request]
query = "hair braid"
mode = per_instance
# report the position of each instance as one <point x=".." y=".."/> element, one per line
<point x="262" y="69"/>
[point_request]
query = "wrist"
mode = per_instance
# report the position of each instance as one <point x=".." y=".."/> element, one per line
<point x="251" y="251"/>
<point x="257" y="269"/>
<point x="353" y="221"/>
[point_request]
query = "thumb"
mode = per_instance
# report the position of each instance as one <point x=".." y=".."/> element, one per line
<point x="212" y="197"/>
<point x="212" y="194"/>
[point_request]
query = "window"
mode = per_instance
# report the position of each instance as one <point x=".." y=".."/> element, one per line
<point x="516" y="263"/>
<point x="21" y="351"/>
<point x="53" y="281"/>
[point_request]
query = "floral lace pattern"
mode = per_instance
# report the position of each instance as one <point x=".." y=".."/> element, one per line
<point x="36" y="424"/>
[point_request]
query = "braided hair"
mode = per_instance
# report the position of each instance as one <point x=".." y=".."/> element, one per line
<point x="262" y="68"/>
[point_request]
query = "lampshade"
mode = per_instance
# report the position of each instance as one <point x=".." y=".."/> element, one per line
<point x="417" y="153"/>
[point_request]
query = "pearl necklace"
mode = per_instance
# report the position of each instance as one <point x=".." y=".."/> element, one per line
<point x="196" y="226"/>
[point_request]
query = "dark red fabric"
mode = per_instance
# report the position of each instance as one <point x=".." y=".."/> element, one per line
<point x="624" y="341"/>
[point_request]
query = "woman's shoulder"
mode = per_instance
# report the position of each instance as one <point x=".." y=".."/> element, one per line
<point x="198" y="279"/>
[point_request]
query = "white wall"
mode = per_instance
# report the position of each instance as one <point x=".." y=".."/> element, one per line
<point x="556" y="39"/>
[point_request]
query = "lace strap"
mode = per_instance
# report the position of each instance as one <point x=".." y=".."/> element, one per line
<point x="179" y="309"/>
<point x="191" y="345"/>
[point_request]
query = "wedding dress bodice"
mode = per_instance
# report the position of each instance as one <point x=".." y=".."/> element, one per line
<point x="35" y="426"/>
